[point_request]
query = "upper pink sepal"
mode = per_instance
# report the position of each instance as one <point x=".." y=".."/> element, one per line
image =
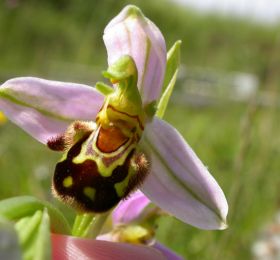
<point x="131" y="33"/>
<point x="44" y="108"/>
<point x="179" y="183"/>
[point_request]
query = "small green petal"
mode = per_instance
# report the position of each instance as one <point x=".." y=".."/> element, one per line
<point x="173" y="62"/>
<point x="104" y="88"/>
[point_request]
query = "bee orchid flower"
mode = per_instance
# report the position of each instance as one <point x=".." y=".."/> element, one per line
<point x="112" y="139"/>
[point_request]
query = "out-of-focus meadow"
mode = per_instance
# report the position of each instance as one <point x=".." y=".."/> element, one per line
<point x="235" y="134"/>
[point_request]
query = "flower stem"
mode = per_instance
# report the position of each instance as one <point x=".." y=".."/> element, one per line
<point x="89" y="225"/>
<point x="81" y="224"/>
<point x="96" y="225"/>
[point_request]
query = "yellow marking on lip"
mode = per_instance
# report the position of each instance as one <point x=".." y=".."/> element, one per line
<point x="67" y="182"/>
<point x="120" y="187"/>
<point x="89" y="192"/>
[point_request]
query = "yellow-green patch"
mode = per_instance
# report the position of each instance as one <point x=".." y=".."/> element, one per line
<point x="89" y="192"/>
<point x="121" y="186"/>
<point x="68" y="182"/>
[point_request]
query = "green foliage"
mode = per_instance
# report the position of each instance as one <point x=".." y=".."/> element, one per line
<point x="34" y="236"/>
<point x="33" y="221"/>
<point x="17" y="208"/>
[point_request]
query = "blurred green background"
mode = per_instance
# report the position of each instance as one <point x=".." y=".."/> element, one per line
<point x="237" y="137"/>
